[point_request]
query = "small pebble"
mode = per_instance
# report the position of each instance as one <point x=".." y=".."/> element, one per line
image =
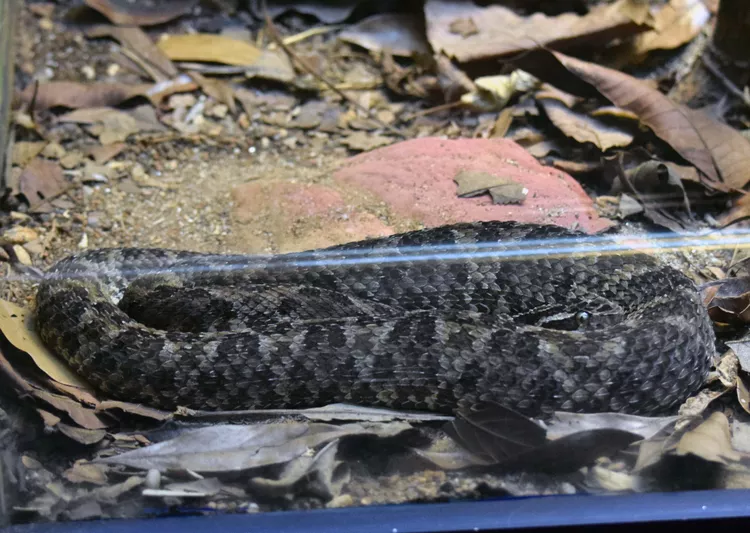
<point x="18" y="235"/>
<point x="22" y="255"/>
<point x="343" y="500"/>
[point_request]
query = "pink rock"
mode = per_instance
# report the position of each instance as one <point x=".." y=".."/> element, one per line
<point x="415" y="179"/>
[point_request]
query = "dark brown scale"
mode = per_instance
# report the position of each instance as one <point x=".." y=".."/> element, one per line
<point x="389" y="322"/>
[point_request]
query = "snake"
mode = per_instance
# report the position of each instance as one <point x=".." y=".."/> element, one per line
<point x="537" y="318"/>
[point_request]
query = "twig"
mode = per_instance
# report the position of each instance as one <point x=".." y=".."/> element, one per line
<point x="274" y="34"/>
<point x="436" y="109"/>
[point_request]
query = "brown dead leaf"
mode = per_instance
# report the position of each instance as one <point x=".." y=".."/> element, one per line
<point x="102" y="154"/>
<point x="217" y="89"/>
<point x="75" y="95"/>
<point x="711" y="440"/>
<point x="721" y="153"/>
<point x="676" y="23"/>
<point x="82" y="435"/>
<point x="16" y="324"/>
<point x="42" y="180"/>
<point x="84" y="472"/>
<point x="48" y="418"/>
<point x="728" y="300"/>
<point x="25" y="151"/>
<point x="112" y="125"/>
<point x="401" y="33"/>
<point x="500" y="31"/>
<point x="129" y="13"/>
<point x="83" y="416"/>
<point x="209" y="47"/>
<point x="585" y="129"/>
<point x="134" y="409"/>
<point x="739" y="211"/>
<point x="141" y="49"/>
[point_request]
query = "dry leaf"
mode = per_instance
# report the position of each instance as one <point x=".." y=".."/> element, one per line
<point x="16" y="325"/>
<point x="134" y="409"/>
<point x="500" y="31"/>
<point x="102" y="154"/>
<point x="401" y="33"/>
<point x="712" y="441"/>
<point x="721" y="153"/>
<point x="112" y="125"/>
<point x="728" y="300"/>
<point x="85" y="472"/>
<point x="739" y="211"/>
<point x="493" y="92"/>
<point x="230" y="448"/>
<point x="129" y="13"/>
<point x="143" y="50"/>
<point x="675" y="24"/>
<point x="503" y="190"/>
<point x="583" y="128"/>
<point x="75" y="95"/>
<point x="25" y="151"/>
<point x="208" y="47"/>
<point x="41" y="180"/>
<point x="363" y="141"/>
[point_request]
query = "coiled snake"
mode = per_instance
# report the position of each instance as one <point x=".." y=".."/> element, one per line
<point x="437" y="319"/>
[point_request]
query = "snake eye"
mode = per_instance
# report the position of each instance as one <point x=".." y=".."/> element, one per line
<point x="582" y="318"/>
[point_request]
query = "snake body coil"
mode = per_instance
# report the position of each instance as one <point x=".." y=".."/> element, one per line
<point x="528" y="316"/>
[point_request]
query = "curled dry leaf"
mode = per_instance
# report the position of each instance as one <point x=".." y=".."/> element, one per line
<point x="320" y="475"/>
<point x="16" y="324"/>
<point x="142" y="49"/>
<point x="721" y="153"/>
<point x="675" y="24"/>
<point x="493" y="93"/>
<point x="76" y="95"/>
<point x="660" y="192"/>
<point x="711" y="440"/>
<point x="128" y="13"/>
<point x="209" y="47"/>
<point x="728" y="300"/>
<point x="499" y="31"/>
<point x="585" y="129"/>
<point x="228" y="448"/>
<point x="401" y="33"/>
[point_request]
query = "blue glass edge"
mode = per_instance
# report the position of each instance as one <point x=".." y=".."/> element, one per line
<point x="504" y="513"/>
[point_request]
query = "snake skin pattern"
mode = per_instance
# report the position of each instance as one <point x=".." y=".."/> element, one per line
<point x="529" y="316"/>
